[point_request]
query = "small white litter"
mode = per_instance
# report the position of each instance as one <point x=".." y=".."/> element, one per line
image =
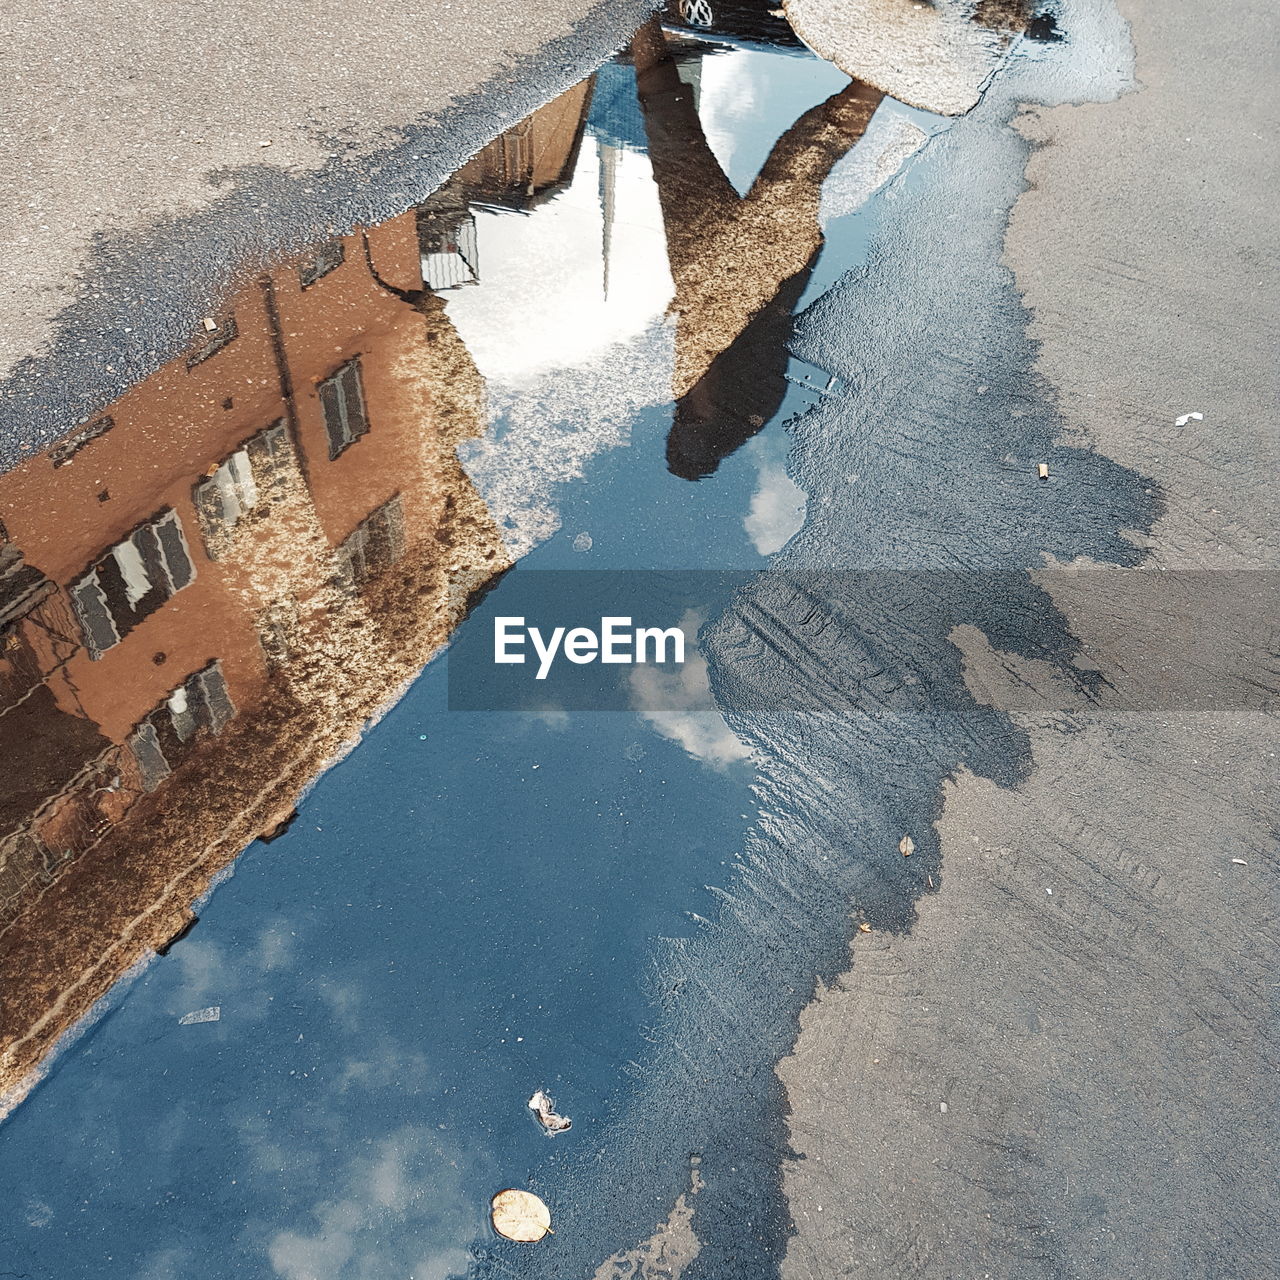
<point x="211" y="1014"/>
<point x="1188" y="417"/>
<point x="545" y="1110"/>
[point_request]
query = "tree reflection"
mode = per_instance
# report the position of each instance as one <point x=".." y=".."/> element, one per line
<point x="739" y="263"/>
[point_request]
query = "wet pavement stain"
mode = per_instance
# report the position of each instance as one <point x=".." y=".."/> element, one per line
<point x="467" y="908"/>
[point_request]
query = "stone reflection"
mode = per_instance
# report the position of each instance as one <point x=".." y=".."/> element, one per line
<point x="206" y="591"/>
<point x="739" y="263"/>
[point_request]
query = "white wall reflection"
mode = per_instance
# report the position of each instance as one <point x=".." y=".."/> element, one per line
<point x="563" y="284"/>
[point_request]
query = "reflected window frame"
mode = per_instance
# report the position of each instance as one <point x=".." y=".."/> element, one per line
<point x="130" y="580"/>
<point x="165" y="737"/>
<point x="448" y="249"/>
<point x="63" y="453"/>
<point x="320" y="261"/>
<point x="373" y="546"/>
<point x="343" y="406"/>
<point x="210" y="341"/>
<point x="244" y="485"/>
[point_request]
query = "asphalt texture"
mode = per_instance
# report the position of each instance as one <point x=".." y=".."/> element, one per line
<point x="1061" y="1067"/>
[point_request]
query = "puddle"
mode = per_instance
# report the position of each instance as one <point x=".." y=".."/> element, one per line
<point x="437" y="928"/>
<point x="573" y="355"/>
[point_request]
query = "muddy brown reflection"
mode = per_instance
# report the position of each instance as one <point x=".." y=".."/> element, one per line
<point x="208" y="589"/>
<point x="739" y="263"/>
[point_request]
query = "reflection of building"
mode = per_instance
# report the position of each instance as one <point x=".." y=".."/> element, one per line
<point x="207" y="591"/>
<point x="518" y="170"/>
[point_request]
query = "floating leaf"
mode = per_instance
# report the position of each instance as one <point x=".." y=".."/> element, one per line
<point x="520" y="1215"/>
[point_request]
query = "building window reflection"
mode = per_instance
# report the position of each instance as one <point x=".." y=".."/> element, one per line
<point x="61" y="454"/>
<point x="276" y="626"/>
<point x="201" y="704"/>
<point x="375" y="544"/>
<point x="131" y="581"/>
<point x="319" y="262"/>
<point x="215" y="335"/>
<point x="342" y="398"/>
<point x="248" y="480"/>
<point x="447" y="244"/>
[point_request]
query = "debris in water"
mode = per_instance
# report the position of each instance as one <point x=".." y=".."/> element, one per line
<point x="520" y="1215"/>
<point x="906" y="846"/>
<point x="582" y="542"/>
<point x="211" y="1014"/>
<point x="1188" y="417"/>
<point x="545" y="1109"/>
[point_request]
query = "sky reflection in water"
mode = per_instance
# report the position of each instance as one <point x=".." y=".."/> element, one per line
<point x="467" y="907"/>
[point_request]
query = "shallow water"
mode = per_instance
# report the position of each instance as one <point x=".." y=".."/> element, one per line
<point x="467" y="907"/>
<point x="578" y="354"/>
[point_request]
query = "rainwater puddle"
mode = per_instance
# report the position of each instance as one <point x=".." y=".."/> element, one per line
<point x="572" y="356"/>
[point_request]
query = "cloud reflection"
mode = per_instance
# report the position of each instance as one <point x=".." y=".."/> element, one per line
<point x="405" y="1190"/>
<point x="777" y="507"/>
<point x="678" y="704"/>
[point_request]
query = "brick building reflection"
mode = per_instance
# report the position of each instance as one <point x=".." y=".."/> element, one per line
<point x="208" y="590"/>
